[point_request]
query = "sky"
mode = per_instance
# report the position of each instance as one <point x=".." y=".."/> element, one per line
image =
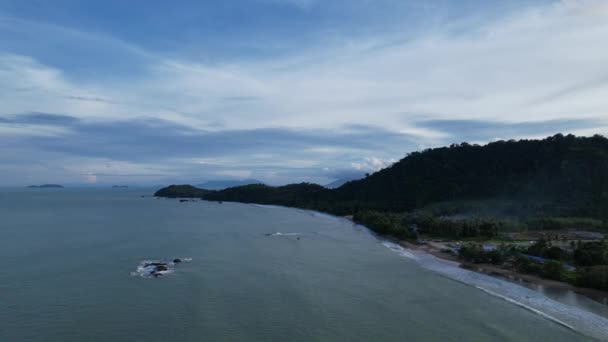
<point x="153" y="93"/>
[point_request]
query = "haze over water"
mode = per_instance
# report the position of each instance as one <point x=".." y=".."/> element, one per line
<point x="68" y="257"/>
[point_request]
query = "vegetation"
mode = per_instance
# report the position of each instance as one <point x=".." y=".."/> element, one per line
<point x="557" y="176"/>
<point x="473" y="192"/>
<point x="544" y="249"/>
<point x="559" y="223"/>
<point x="185" y="191"/>
<point x="591" y="254"/>
<point x="46" y="186"/>
<point x="548" y="261"/>
<point x="561" y="176"/>
<point x="594" y="277"/>
<point x="550" y="269"/>
<point x="291" y="195"/>
<point x="583" y="254"/>
<point x="473" y="227"/>
<point x="387" y="224"/>
<point x="475" y="253"/>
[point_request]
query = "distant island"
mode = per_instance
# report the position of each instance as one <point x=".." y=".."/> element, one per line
<point x="120" y="186"/>
<point x="46" y="186"/>
<point x="484" y="204"/>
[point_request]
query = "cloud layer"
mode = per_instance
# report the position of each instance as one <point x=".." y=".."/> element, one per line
<point x="118" y="106"/>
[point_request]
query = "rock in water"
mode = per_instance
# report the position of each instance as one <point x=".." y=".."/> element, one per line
<point x="160" y="268"/>
<point x="157" y="268"/>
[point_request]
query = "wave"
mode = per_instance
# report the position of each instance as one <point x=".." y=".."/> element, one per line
<point x="529" y="308"/>
<point x="283" y="234"/>
<point x="400" y="250"/>
<point x="568" y="316"/>
<point x="268" y="206"/>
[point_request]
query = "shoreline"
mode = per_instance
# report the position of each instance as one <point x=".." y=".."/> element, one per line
<point x="588" y="318"/>
<point x="533" y="282"/>
<point x="598" y="296"/>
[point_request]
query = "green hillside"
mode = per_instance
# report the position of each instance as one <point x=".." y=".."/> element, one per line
<point x="559" y="175"/>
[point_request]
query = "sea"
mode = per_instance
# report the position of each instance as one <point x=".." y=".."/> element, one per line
<point x="76" y="267"/>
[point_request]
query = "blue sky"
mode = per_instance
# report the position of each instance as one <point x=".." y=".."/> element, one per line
<point x="141" y="92"/>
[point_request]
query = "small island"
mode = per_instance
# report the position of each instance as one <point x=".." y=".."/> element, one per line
<point x="120" y="186"/>
<point x="55" y="186"/>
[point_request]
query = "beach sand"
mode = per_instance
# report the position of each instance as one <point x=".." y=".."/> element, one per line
<point x="511" y="275"/>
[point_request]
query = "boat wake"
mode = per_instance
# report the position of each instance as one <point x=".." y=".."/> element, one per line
<point x="568" y="316"/>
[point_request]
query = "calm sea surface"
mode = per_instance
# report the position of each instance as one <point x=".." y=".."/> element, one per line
<point x="69" y="274"/>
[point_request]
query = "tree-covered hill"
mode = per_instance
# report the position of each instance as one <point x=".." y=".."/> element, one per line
<point x="474" y="192"/>
<point x="567" y="173"/>
<point x="185" y="191"/>
<point x="288" y="195"/>
<point x="570" y="173"/>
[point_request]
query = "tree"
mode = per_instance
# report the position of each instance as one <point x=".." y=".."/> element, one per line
<point x="553" y="270"/>
<point x="594" y="277"/>
<point x="591" y="254"/>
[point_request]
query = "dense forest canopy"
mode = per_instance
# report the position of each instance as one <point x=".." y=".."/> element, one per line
<point x="473" y="193"/>
<point x="177" y="191"/>
<point x="561" y="175"/>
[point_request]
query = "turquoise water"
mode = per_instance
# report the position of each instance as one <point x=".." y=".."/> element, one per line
<point x="69" y="257"/>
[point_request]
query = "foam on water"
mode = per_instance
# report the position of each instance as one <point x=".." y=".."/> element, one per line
<point x="283" y="234"/>
<point x="400" y="250"/>
<point x="568" y="316"/>
<point x="268" y="206"/>
<point x="145" y="270"/>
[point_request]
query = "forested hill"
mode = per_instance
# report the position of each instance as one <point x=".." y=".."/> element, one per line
<point x="568" y="173"/>
<point x="176" y="191"/>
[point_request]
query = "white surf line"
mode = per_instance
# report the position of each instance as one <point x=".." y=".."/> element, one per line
<point x="512" y="301"/>
<point x="266" y="206"/>
<point x="571" y="317"/>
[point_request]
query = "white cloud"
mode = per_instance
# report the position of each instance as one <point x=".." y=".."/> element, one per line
<point x="20" y="130"/>
<point x="301" y="4"/>
<point x="535" y="64"/>
<point x="240" y="174"/>
<point x="542" y="63"/>
<point x="373" y="164"/>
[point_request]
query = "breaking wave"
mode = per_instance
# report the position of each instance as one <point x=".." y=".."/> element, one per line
<point x="568" y="316"/>
<point x="283" y="234"/>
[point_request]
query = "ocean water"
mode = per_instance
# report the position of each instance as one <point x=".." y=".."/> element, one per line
<point x="70" y="273"/>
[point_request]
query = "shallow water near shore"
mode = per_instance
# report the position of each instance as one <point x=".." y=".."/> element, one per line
<point x="573" y="311"/>
<point x="597" y="305"/>
<point x="69" y="256"/>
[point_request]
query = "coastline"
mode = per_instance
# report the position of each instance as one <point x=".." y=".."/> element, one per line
<point x="583" y="319"/>
<point x="533" y="281"/>
<point x="528" y="280"/>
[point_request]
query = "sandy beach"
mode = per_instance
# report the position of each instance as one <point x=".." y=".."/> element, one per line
<point x="583" y="315"/>
<point x="528" y="280"/>
<point x="510" y="275"/>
